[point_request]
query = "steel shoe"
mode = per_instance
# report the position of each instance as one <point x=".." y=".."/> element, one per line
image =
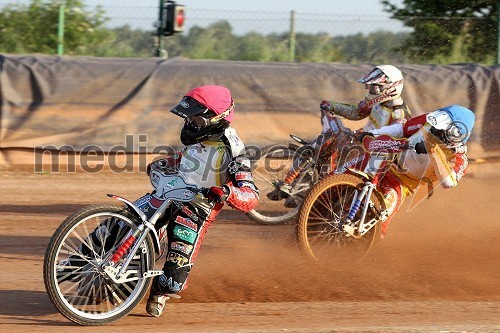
<point x="156" y="304"/>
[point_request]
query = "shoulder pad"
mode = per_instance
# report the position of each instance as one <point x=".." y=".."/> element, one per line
<point x="235" y="143"/>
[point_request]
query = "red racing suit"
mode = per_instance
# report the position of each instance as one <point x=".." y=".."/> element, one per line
<point x="413" y="167"/>
<point x="205" y="164"/>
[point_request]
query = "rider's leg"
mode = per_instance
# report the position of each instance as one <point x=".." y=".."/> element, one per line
<point x="392" y="189"/>
<point x="184" y="239"/>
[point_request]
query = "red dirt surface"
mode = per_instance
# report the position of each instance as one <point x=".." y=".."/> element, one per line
<point x="436" y="271"/>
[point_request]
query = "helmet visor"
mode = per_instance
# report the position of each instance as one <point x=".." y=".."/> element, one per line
<point x="189" y="107"/>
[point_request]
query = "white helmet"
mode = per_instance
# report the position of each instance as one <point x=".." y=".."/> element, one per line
<point x="385" y="83"/>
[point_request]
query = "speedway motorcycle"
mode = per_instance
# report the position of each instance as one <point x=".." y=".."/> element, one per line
<point x="340" y="217"/>
<point x="271" y="165"/>
<point x="100" y="261"/>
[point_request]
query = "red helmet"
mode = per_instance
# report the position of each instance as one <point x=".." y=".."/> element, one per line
<point x="207" y="111"/>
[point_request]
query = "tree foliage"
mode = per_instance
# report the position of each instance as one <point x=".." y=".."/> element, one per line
<point x="33" y="28"/>
<point x="218" y="42"/>
<point x="444" y="30"/>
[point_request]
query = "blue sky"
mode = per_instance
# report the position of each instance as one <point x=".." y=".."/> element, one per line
<point x="335" y="17"/>
<point x="352" y="7"/>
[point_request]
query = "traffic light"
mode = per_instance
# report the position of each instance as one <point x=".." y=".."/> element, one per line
<point x="173" y="18"/>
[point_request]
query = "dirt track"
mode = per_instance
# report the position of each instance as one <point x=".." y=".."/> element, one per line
<point x="436" y="271"/>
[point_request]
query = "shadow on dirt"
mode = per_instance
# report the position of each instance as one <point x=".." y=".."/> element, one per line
<point x="41" y="209"/>
<point x="16" y="304"/>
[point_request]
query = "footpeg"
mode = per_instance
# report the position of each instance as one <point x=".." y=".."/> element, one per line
<point x="351" y="231"/>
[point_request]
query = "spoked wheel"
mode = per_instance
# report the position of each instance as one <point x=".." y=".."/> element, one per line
<point x="270" y="170"/>
<point x="319" y="230"/>
<point x="73" y="275"/>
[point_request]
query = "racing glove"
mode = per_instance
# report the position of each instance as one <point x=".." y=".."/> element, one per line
<point x="420" y="148"/>
<point x="217" y="193"/>
<point x="361" y="135"/>
<point x="326" y="106"/>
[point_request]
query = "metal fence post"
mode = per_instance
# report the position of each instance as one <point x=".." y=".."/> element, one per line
<point x="292" y="36"/>
<point x="498" y="32"/>
<point x="60" y="29"/>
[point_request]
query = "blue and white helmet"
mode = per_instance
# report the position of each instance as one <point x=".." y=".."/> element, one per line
<point x="455" y="121"/>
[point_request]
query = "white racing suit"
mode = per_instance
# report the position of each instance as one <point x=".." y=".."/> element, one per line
<point x="205" y="164"/>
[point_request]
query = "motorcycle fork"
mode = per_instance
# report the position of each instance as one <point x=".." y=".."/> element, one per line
<point x="365" y="195"/>
<point x="137" y="238"/>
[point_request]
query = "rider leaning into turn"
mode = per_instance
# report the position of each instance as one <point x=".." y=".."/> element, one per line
<point x="383" y="105"/>
<point x="452" y="126"/>
<point x="213" y="159"/>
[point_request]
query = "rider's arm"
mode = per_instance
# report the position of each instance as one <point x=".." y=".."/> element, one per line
<point x="243" y="194"/>
<point x="460" y="164"/>
<point x="401" y="130"/>
<point x="348" y="111"/>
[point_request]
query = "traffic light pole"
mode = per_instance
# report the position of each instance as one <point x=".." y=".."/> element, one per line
<point x="160" y="50"/>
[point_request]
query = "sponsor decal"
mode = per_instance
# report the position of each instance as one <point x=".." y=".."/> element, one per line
<point x="349" y="164"/>
<point x="179" y="112"/>
<point x="383" y="144"/>
<point x="244" y="175"/>
<point x="414" y="127"/>
<point x="186" y="222"/>
<point x="177" y="258"/>
<point x="172" y="182"/>
<point x="243" y="195"/>
<point x="184" y="104"/>
<point x="181" y="247"/>
<point x="141" y="202"/>
<point x="155" y="178"/>
<point x="185" y="234"/>
<point x="186" y="211"/>
<point x="170" y="284"/>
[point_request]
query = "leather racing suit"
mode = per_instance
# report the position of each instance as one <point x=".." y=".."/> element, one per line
<point x="206" y="164"/>
<point x="412" y="167"/>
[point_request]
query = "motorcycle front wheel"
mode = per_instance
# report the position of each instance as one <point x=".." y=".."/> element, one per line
<point x="73" y="271"/>
<point x="319" y="229"/>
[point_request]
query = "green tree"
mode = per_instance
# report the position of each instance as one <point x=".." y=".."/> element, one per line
<point x="377" y="47"/>
<point x="448" y="30"/>
<point x="33" y="28"/>
<point x="254" y="47"/>
<point x="316" y="48"/>
<point x="215" y="42"/>
<point x="124" y="42"/>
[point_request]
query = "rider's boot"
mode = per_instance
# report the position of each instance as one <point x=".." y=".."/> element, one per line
<point x="391" y="202"/>
<point x="291" y="202"/>
<point x="277" y="194"/>
<point x="156" y="303"/>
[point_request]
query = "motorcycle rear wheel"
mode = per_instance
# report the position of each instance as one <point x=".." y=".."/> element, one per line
<point x="318" y="232"/>
<point x="270" y="167"/>
<point x="73" y="276"/>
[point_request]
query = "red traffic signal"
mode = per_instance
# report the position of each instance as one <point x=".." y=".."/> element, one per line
<point x="174" y="17"/>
